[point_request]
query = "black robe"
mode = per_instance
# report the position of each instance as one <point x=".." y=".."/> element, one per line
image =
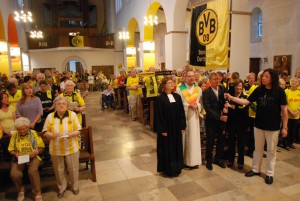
<point x="170" y="119"/>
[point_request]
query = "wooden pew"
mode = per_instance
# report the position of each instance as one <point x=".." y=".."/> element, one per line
<point x="86" y="156"/>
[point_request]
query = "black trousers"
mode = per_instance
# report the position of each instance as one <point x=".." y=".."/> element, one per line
<point x="250" y="142"/>
<point x="236" y="133"/>
<point x="214" y="129"/>
<point x="293" y="131"/>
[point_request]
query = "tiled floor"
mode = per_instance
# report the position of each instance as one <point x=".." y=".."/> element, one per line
<point x="126" y="170"/>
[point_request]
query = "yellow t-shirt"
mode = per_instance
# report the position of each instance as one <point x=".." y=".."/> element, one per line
<point x="62" y="146"/>
<point x="76" y="97"/>
<point x="252" y="113"/>
<point x="23" y="144"/>
<point x="293" y="101"/>
<point x="115" y="83"/>
<point x="133" y="81"/>
<point x="151" y="86"/>
<point x="6" y="119"/>
<point x="14" y="99"/>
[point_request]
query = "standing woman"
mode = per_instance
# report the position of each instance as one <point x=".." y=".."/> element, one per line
<point x="62" y="128"/>
<point x="271" y="108"/>
<point x="171" y="125"/>
<point x="237" y="124"/>
<point x="7" y="115"/>
<point x="30" y="106"/>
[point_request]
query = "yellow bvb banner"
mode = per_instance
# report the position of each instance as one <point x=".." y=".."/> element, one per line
<point x="209" y="40"/>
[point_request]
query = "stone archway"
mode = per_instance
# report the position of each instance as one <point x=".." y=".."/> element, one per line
<point x="66" y="61"/>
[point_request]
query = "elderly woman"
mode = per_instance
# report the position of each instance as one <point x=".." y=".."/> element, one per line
<point x="30" y="106"/>
<point x="62" y="128"/>
<point x="77" y="103"/>
<point x="25" y="146"/>
<point x="7" y="115"/>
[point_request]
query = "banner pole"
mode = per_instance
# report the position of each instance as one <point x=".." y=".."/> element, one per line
<point x="229" y="44"/>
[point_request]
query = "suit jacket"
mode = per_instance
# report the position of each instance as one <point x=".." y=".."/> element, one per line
<point x="213" y="106"/>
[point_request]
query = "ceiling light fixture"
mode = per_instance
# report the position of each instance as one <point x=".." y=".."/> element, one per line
<point x="22" y="16"/>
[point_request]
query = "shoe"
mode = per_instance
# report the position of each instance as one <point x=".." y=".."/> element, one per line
<point x="265" y="155"/>
<point x="133" y="118"/>
<point x="293" y="147"/>
<point x="21" y="196"/>
<point x="75" y="192"/>
<point x="251" y="173"/>
<point x="61" y="194"/>
<point x="209" y="166"/>
<point x="240" y="167"/>
<point x="269" y="180"/>
<point x="250" y="155"/>
<point x="278" y="150"/>
<point x="287" y="148"/>
<point x="220" y="163"/>
<point x="230" y="165"/>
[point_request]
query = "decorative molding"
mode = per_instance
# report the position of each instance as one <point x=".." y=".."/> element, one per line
<point x="180" y="32"/>
<point x="240" y="13"/>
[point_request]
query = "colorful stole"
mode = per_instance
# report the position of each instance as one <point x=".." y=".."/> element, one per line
<point x="190" y="98"/>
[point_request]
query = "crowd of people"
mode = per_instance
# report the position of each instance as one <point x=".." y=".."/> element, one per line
<point x="250" y="113"/>
<point x="50" y="105"/>
<point x="246" y="113"/>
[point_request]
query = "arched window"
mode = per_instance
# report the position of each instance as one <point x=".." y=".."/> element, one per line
<point x="260" y="25"/>
<point x="118" y="5"/>
<point x="256" y="26"/>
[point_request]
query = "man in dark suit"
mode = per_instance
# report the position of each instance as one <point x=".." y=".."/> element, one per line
<point x="213" y="102"/>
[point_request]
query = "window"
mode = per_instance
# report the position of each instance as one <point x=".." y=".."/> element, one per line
<point x="259" y="24"/>
<point x="256" y="26"/>
<point x="118" y="5"/>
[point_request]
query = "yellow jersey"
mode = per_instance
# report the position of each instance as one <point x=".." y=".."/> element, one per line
<point x="62" y="146"/>
<point x="15" y="98"/>
<point x="75" y="98"/>
<point x="293" y="101"/>
<point x="133" y="81"/>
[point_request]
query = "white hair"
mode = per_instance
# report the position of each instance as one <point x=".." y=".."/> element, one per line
<point x="69" y="82"/>
<point x="22" y="121"/>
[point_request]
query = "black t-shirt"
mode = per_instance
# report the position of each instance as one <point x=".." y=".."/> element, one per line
<point x="46" y="99"/>
<point x="268" y="110"/>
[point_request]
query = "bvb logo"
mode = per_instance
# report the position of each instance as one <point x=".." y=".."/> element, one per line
<point x="207" y="26"/>
<point x="76" y="41"/>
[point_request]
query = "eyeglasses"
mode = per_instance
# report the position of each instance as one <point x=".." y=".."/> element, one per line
<point x="61" y="103"/>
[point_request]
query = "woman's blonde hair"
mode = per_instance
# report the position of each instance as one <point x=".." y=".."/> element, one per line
<point x="24" y="86"/>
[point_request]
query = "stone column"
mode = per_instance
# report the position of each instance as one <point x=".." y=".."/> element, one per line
<point x="175" y="49"/>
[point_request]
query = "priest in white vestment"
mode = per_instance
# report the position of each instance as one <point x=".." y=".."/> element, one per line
<point x="190" y="94"/>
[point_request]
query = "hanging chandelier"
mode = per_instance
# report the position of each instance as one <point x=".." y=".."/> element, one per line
<point x="150" y="20"/>
<point x="36" y="33"/>
<point x="22" y="16"/>
<point x="123" y="35"/>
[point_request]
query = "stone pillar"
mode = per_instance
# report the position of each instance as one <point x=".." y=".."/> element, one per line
<point x="175" y="49"/>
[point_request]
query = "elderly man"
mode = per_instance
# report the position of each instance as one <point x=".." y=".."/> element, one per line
<point x="77" y="103"/>
<point x="190" y="94"/>
<point x="39" y="77"/>
<point x="135" y="91"/>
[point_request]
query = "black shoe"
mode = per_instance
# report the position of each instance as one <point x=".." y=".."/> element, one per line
<point x="265" y="155"/>
<point x="230" y="165"/>
<point x="209" y="166"/>
<point x="269" y="180"/>
<point x="75" y="192"/>
<point x="240" y="167"/>
<point x="251" y="173"/>
<point x="60" y="195"/>
<point x="220" y="163"/>
<point x="250" y="155"/>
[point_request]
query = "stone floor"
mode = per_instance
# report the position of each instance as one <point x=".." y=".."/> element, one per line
<point x="126" y="170"/>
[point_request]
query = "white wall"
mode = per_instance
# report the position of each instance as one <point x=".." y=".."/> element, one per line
<point x="240" y="37"/>
<point x="281" y="31"/>
<point x="57" y="58"/>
